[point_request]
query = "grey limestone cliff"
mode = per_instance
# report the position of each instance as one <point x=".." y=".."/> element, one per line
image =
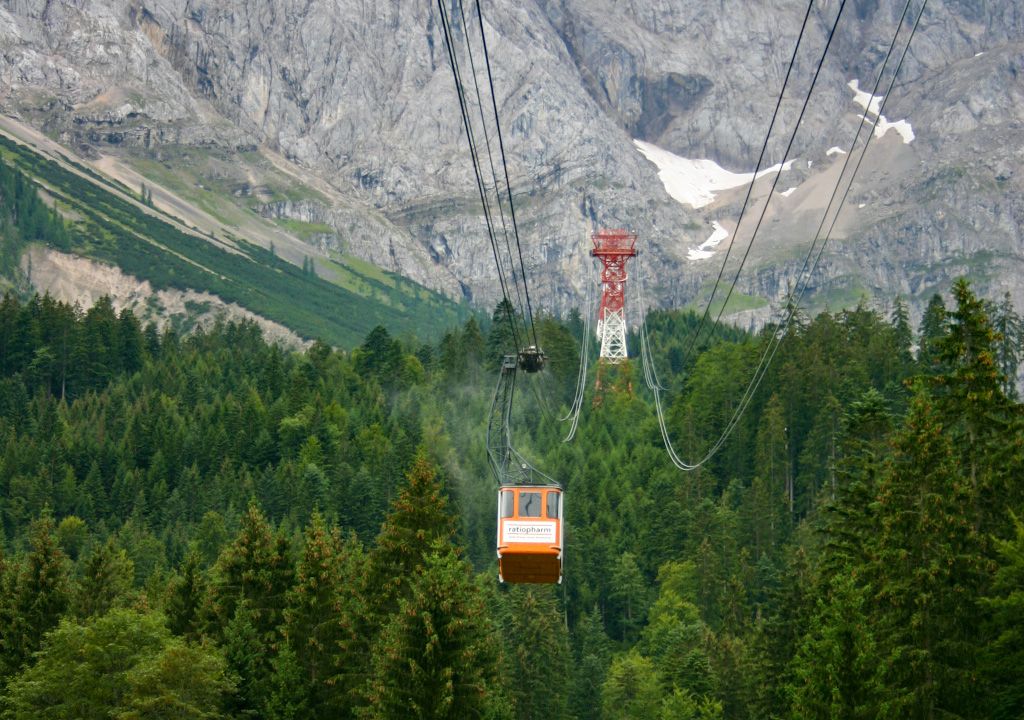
<point x="360" y="94"/>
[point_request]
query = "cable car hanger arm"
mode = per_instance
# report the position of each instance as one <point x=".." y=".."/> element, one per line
<point x="508" y="466"/>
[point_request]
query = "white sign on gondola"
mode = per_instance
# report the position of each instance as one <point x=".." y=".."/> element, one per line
<point x="518" y="531"/>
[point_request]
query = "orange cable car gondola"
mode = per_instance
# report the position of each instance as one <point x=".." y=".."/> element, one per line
<point x="530" y="534"/>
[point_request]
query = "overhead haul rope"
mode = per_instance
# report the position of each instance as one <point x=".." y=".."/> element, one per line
<point x="874" y="125"/>
<point x="504" y="164"/>
<point x="490" y="161"/>
<point x="676" y="460"/>
<point x="794" y="299"/>
<point x="750" y="187"/>
<point x="481" y="187"/>
<point x="775" y="181"/>
<point x="775" y="341"/>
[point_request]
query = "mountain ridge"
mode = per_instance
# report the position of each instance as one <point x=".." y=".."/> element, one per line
<point x="362" y="98"/>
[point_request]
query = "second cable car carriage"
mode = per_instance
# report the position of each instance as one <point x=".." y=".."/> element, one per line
<point x="531" y="530"/>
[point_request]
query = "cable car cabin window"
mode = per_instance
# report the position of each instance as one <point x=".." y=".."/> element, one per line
<point x="552" y="505"/>
<point x="508" y="503"/>
<point x="529" y="504"/>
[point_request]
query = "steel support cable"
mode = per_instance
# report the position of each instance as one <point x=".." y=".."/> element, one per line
<point x="542" y="400"/>
<point x="460" y="92"/>
<point x="794" y="302"/>
<point x="580" y="374"/>
<point x="662" y="426"/>
<point x="776" y="340"/>
<point x="504" y="164"/>
<point x="647" y="361"/>
<point x="577" y="403"/>
<point x="649" y="377"/>
<point x="581" y="382"/>
<point x="584" y="346"/>
<point x="643" y="318"/>
<point x="575" y="419"/>
<point x="750" y="187"/>
<point x="490" y="161"/>
<point x="644" y="337"/>
<point x="878" y="118"/>
<point x="775" y="180"/>
<point x="508" y="452"/>
<point x="533" y="381"/>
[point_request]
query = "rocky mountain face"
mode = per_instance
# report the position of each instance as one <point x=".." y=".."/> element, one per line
<point x="360" y="95"/>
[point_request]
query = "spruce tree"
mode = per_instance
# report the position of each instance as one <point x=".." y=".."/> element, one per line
<point x="628" y="595"/>
<point x="848" y="520"/>
<point x="835" y="673"/>
<point x="592" y="657"/>
<point x="379" y="356"/>
<point x="106" y="582"/>
<point x="184" y="682"/>
<point x="675" y="639"/>
<point x="977" y="414"/>
<point x="788" y="612"/>
<point x="246" y="603"/>
<point x="437" y="655"/>
<point x="903" y="336"/>
<point x="7" y="585"/>
<point x="505" y="326"/>
<point x="932" y="328"/>
<point x="1004" y="657"/>
<point x="772" y="455"/>
<point x="250" y="660"/>
<point x="632" y="689"/>
<point x="419" y="516"/>
<point x="1009" y="328"/>
<point x="128" y="342"/>
<point x="926" y="570"/>
<point x="186" y="595"/>
<point x="255" y="569"/>
<point x="40" y="596"/>
<point x="120" y="665"/>
<point x="322" y="620"/>
<point x="288" y="696"/>
<point x="471" y="346"/>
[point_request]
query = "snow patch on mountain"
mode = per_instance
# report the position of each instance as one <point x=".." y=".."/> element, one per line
<point x="706" y="248"/>
<point x="872" y="105"/>
<point x="695" y="182"/>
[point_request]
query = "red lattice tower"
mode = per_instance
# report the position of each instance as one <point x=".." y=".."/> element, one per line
<point x="613" y="248"/>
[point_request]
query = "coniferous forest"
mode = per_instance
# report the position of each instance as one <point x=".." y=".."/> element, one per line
<point x="213" y="527"/>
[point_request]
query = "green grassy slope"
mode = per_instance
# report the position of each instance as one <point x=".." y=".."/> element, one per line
<point x="112" y="229"/>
